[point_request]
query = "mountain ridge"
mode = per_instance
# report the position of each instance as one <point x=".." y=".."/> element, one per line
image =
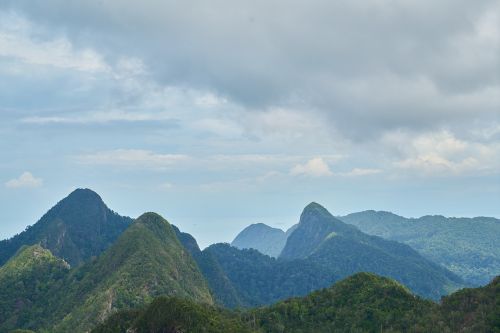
<point x="466" y="246"/>
<point x="363" y="302"/>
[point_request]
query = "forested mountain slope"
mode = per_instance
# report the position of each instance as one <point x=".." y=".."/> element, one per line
<point x="145" y="262"/>
<point x="329" y="242"/>
<point x="469" y="247"/>
<point x="361" y="303"/>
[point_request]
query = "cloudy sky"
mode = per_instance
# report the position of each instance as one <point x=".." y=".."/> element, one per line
<point x="224" y="113"/>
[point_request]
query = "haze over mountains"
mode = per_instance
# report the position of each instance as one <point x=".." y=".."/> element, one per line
<point x="467" y="247"/>
<point x="263" y="238"/>
<point x="119" y="264"/>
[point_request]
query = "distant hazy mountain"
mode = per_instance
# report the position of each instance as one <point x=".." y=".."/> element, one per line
<point x="360" y="303"/>
<point x="325" y="240"/>
<point x="469" y="247"/>
<point x="145" y="262"/>
<point x="261" y="237"/>
<point x="78" y="228"/>
<point x="320" y="251"/>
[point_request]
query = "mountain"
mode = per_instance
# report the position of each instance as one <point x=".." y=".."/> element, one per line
<point x="323" y="239"/>
<point x="315" y="224"/>
<point x="145" y="262"/>
<point x="77" y="229"/>
<point x="363" y="302"/>
<point x="468" y="247"/>
<point x="174" y="315"/>
<point x="261" y="237"/>
<point x="472" y="310"/>
<point x="222" y="289"/>
<point x="24" y="281"/>
<point x="259" y="279"/>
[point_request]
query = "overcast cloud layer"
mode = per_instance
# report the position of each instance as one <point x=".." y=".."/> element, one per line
<point x="220" y="114"/>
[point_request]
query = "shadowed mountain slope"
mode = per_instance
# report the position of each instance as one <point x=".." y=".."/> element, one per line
<point x="76" y="229"/>
<point x="329" y="242"/>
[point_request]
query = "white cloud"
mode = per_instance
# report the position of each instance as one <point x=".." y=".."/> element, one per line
<point x="358" y="172"/>
<point x="210" y="101"/>
<point x="220" y="127"/>
<point x="16" y="42"/>
<point x="165" y="186"/>
<point x="26" y="180"/>
<point x="315" y="167"/>
<point x="442" y="153"/>
<point x="132" y="158"/>
<point x="99" y="117"/>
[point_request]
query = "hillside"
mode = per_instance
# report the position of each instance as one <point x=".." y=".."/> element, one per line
<point x="222" y="289"/>
<point x="468" y="247"/>
<point x="472" y="310"/>
<point x="361" y="303"/>
<point x="145" y="262"/>
<point x="76" y="229"/>
<point x="24" y="283"/>
<point x="259" y="279"/>
<point x="174" y="315"/>
<point x="329" y="242"/>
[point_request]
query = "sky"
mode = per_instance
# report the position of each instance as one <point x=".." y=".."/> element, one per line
<point x="225" y="113"/>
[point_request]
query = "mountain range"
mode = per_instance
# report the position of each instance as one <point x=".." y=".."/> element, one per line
<point x="325" y="249"/>
<point x="82" y="264"/>
<point x="468" y="247"/>
<point x="40" y="291"/>
<point x="361" y="303"/>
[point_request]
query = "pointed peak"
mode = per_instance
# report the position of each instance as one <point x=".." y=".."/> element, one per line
<point x="84" y="193"/>
<point x="314" y="209"/>
<point x="151" y="216"/>
<point x="314" y="206"/>
<point x="78" y="200"/>
<point x="155" y="222"/>
<point x="79" y="197"/>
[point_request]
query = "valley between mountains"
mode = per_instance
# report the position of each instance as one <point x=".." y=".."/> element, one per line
<point x="84" y="268"/>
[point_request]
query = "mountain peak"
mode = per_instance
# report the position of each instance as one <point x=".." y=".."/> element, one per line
<point x="84" y="193"/>
<point x="151" y="216"/>
<point x="313" y="209"/>
<point x="146" y="261"/>
<point x="314" y="205"/>
<point x="261" y="237"/>
<point x="77" y="228"/>
<point x="82" y="199"/>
